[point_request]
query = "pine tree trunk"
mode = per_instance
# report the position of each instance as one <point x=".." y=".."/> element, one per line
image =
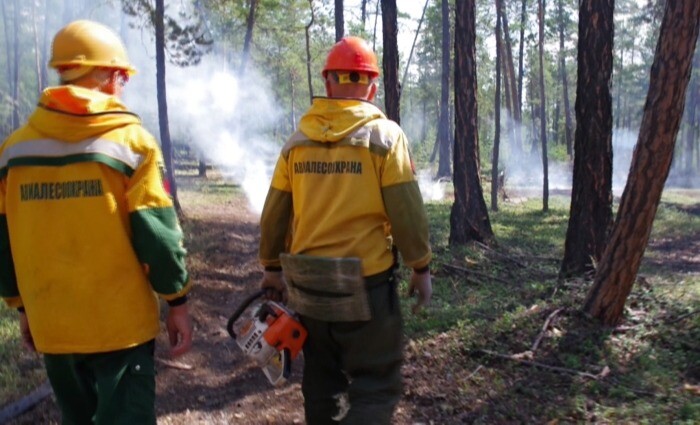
<point x="691" y="118"/>
<point x="619" y="83"/>
<point x="497" y="111"/>
<point x="37" y="50"/>
<point x="443" y="123"/>
<point x="307" y="32"/>
<point x="651" y="162"/>
<point x="250" y="24"/>
<point x="166" y="143"/>
<point x="390" y="64"/>
<point x="339" y="20"/>
<point x="590" y="214"/>
<point x="363" y="18"/>
<point x="8" y="54"/>
<point x="565" y="83"/>
<point x="469" y="218"/>
<point x="511" y="85"/>
<point x="523" y="21"/>
<point x="543" y="116"/>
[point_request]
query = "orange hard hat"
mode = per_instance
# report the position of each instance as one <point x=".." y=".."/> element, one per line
<point x="351" y="54"/>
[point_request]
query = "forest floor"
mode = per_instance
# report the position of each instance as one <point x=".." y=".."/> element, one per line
<point x="528" y="358"/>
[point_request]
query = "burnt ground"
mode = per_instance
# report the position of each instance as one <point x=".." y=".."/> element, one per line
<point x="214" y="384"/>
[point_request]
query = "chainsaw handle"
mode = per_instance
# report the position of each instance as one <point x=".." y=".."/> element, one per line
<point x="236" y="314"/>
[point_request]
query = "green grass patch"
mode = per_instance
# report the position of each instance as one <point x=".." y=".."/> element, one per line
<point x="497" y="300"/>
<point x="20" y="371"/>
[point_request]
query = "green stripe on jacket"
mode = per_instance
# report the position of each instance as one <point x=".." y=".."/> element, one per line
<point x="157" y="240"/>
<point x="66" y="160"/>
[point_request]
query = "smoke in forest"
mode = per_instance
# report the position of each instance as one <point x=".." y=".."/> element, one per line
<point x="430" y="189"/>
<point x="525" y="169"/>
<point x="226" y="121"/>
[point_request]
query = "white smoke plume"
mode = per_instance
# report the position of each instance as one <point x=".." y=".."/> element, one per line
<point x="227" y="120"/>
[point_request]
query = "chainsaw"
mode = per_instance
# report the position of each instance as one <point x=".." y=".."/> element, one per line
<point x="268" y="333"/>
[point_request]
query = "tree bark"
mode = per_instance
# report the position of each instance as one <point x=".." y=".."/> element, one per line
<point x="543" y="116"/>
<point x="497" y="111"/>
<point x="376" y="18"/>
<point x="363" y="8"/>
<point x="45" y="46"/>
<point x="564" y="82"/>
<point x="691" y="137"/>
<point x="339" y="20"/>
<point x="307" y="32"/>
<point x="521" y="47"/>
<point x="390" y="63"/>
<point x="443" y="138"/>
<point x="8" y="54"/>
<point x="590" y="214"/>
<point x="166" y="143"/>
<point x="651" y="162"/>
<point x="250" y="24"/>
<point x="469" y="218"/>
<point x="620" y="84"/>
<point x="512" y="85"/>
<point x="37" y="50"/>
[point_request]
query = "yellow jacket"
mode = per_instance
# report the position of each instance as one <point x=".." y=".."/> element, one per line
<point x="346" y="184"/>
<point x="82" y="208"/>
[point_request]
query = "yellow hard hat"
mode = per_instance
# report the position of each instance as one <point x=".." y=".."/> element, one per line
<point x="89" y="44"/>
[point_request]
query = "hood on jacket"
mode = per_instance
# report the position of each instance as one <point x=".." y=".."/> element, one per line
<point x="73" y="113"/>
<point x="332" y="119"/>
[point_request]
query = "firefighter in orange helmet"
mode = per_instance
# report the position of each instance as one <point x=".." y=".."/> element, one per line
<point x="88" y="236"/>
<point x="342" y="204"/>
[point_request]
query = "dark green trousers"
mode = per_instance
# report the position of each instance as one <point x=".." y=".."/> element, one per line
<point x="116" y="387"/>
<point x="359" y="362"/>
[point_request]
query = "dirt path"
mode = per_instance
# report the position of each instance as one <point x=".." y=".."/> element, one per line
<point x="221" y="387"/>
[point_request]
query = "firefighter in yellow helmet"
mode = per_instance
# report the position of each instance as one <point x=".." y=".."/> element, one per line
<point x="343" y="197"/>
<point x="89" y="238"/>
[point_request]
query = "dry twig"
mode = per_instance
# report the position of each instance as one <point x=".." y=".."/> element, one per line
<point x="475" y="273"/>
<point x="544" y="366"/>
<point x="544" y="329"/>
<point x="501" y="255"/>
<point x="25" y="403"/>
<point x="471" y="375"/>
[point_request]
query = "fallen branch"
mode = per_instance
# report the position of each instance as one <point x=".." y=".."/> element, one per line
<point x="683" y="316"/>
<point x="634" y="390"/>
<point x="25" y="403"/>
<point x="471" y="375"/>
<point x="544" y="329"/>
<point x="500" y="254"/>
<point x="544" y="366"/>
<point x="475" y="273"/>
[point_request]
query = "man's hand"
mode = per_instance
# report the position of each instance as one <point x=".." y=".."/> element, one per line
<point x="274" y="285"/>
<point x="422" y="286"/>
<point x="27" y="339"/>
<point x="179" y="327"/>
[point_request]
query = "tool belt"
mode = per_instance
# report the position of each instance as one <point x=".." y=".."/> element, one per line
<point x="327" y="289"/>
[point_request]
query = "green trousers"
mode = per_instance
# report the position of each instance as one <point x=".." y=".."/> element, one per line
<point x="116" y="387"/>
<point x="355" y="365"/>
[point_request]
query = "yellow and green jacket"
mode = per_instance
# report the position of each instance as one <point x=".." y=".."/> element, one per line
<point x="82" y="210"/>
<point x="344" y="186"/>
